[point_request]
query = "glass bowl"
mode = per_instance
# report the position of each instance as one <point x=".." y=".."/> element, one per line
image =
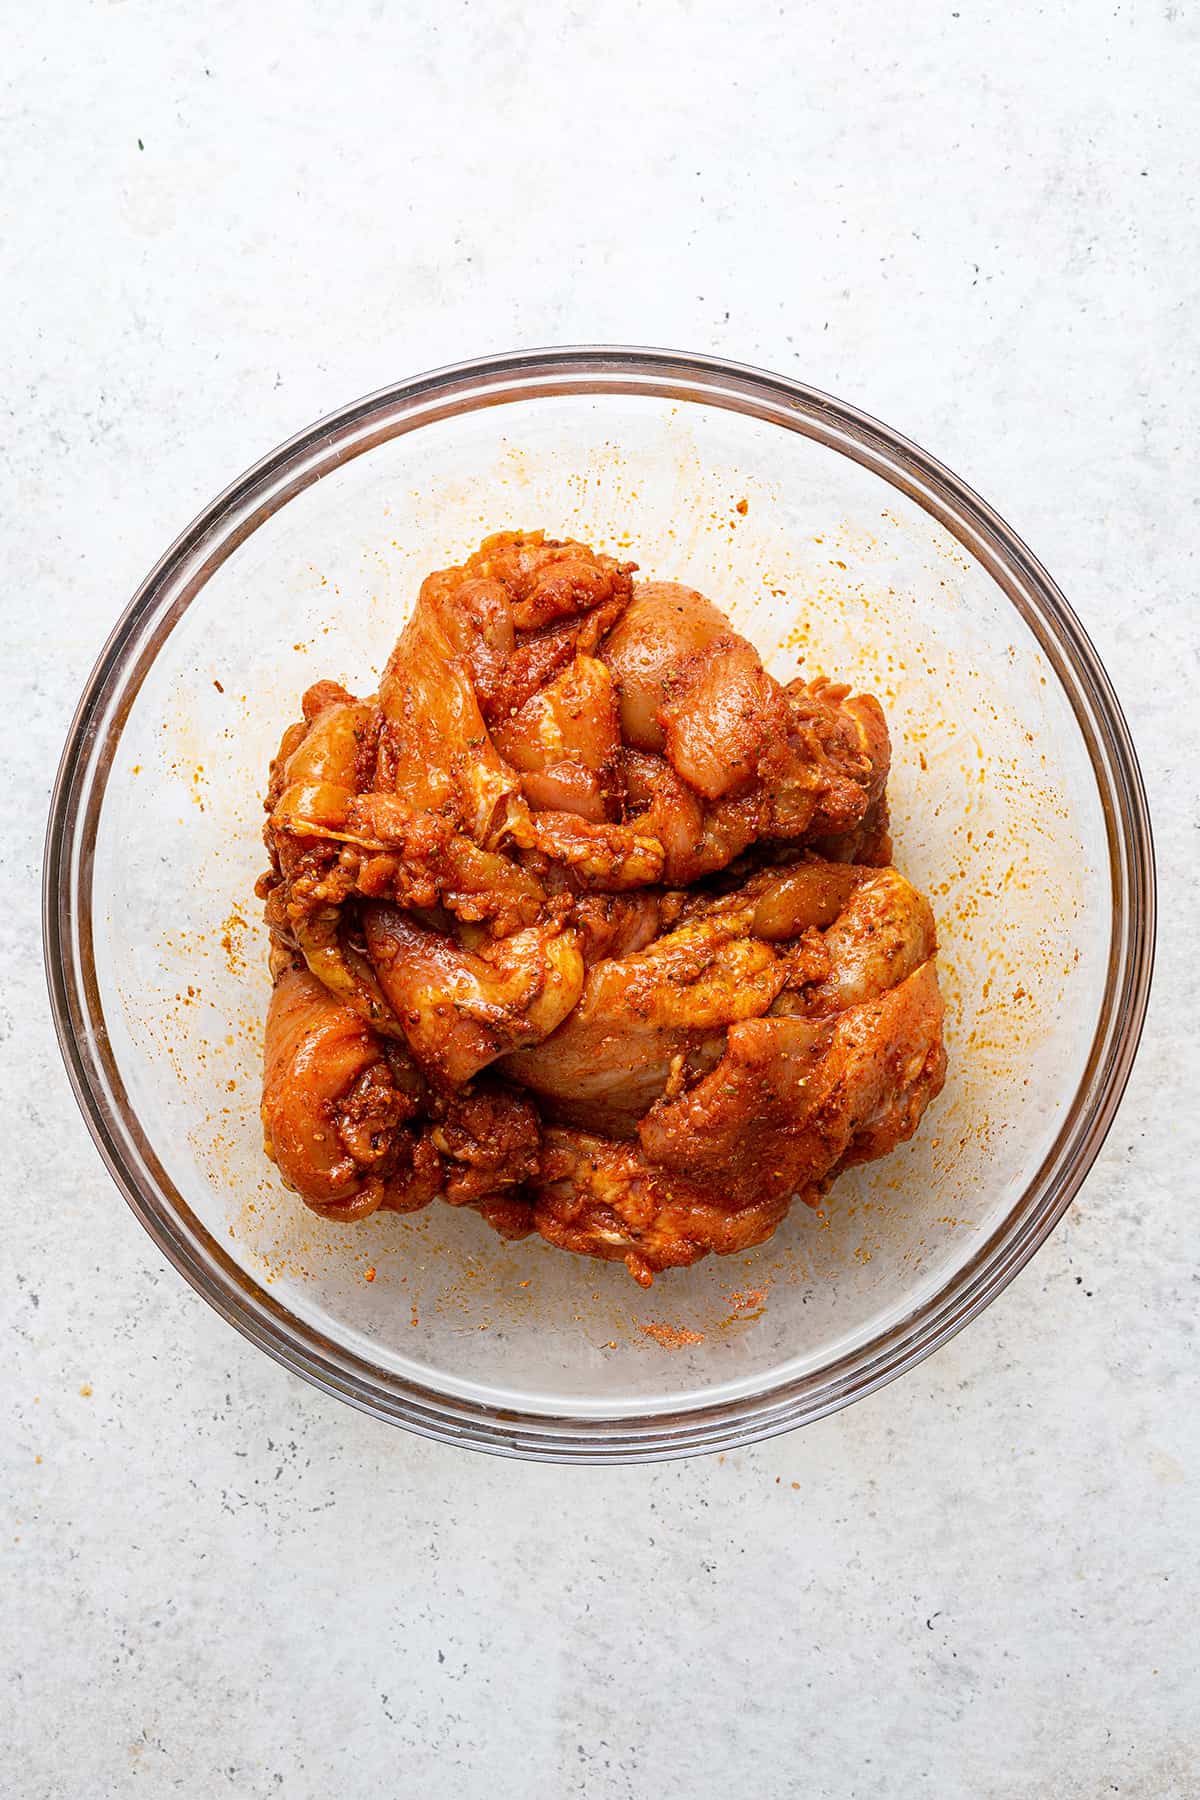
<point x="1017" y="804"/>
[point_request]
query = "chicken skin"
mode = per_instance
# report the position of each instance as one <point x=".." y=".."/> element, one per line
<point x="333" y="1111"/>
<point x="638" y="1016"/>
<point x="587" y="922"/>
<point x="460" y="1008"/>
<point x="353" y="1127"/>
<point x="723" y="755"/>
<point x="752" y="1054"/>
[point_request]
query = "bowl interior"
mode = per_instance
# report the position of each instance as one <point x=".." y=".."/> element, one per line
<point x="996" y="815"/>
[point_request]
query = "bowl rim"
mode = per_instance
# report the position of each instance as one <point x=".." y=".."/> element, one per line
<point x="87" y="760"/>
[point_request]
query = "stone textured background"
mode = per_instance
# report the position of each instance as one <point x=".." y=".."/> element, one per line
<point x="219" y="222"/>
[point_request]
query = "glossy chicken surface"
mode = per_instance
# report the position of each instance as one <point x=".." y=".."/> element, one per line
<point x="586" y="921"/>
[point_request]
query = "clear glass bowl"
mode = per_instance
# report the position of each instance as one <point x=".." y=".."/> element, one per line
<point x="1018" y="807"/>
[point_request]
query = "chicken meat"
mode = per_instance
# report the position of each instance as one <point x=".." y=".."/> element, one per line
<point x="586" y="921"/>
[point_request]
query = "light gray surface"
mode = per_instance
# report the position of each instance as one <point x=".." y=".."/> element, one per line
<point x="979" y="224"/>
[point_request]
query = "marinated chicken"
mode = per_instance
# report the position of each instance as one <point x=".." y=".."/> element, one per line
<point x="587" y="922"/>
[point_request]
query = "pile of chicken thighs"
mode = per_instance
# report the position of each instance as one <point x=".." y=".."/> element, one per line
<point x="588" y="923"/>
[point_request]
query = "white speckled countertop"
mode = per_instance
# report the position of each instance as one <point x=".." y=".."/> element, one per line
<point x="979" y="224"/>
